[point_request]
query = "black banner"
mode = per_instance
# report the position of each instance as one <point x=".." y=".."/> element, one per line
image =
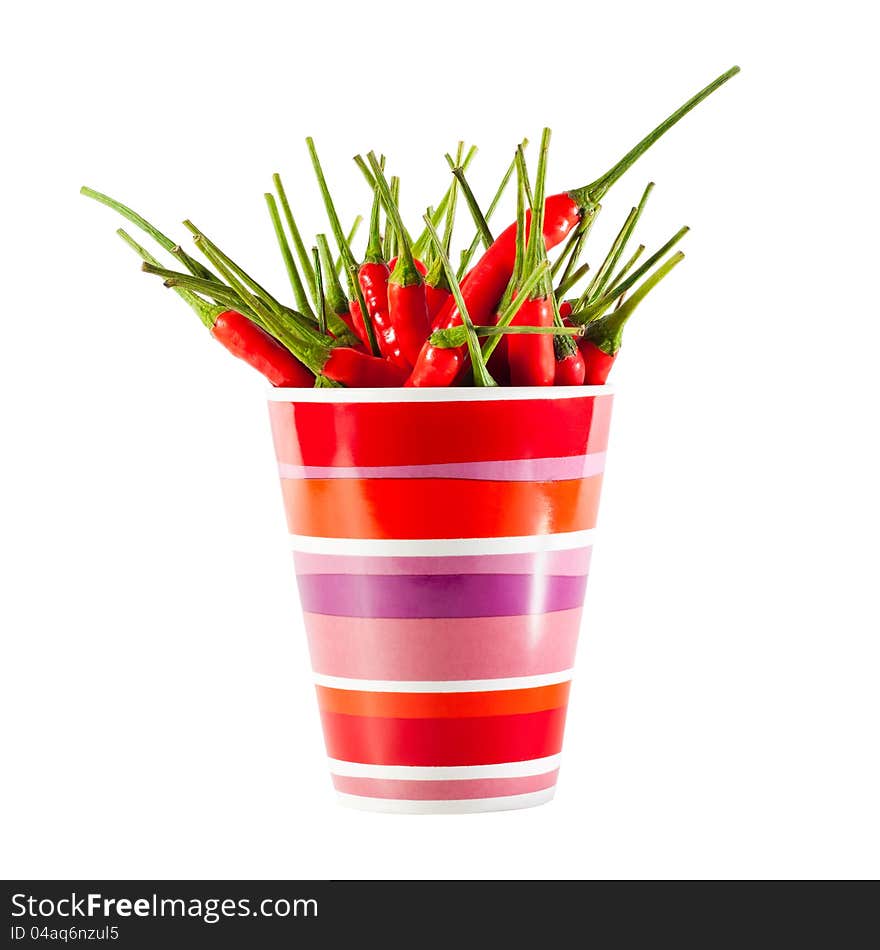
<point x="170" y="914"/>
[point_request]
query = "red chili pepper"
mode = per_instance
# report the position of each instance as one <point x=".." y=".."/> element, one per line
<point x="355" y="321"/>
<point x="373" y="277"/>
<point x="337" y="302"/>
<point x="436" y="298"/>
<point x="484" y="285"/>
<point x="355" y="368"/>
<point x="601" y="341"/>
<point x="597" y="363"/>
<point x="530" y="356"/>
<point x="407" y="303"/>
<point x="570" y="368"/>
<point x="244" y="339"/>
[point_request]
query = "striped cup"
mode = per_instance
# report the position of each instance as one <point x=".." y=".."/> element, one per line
<point x="442" y="543"/>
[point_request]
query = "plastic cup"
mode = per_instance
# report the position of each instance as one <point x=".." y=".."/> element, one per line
<point x="442" y="542"/>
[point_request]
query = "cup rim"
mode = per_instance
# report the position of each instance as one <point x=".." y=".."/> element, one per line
<point x="436" y="394"/>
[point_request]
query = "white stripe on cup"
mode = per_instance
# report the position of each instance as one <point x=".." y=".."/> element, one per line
<point x="446" y="806"/>
<point x="443" y="686"/>
<point x="438" y="394"/>
<point x="441" y="547"/>
<point x="442" y="773"/>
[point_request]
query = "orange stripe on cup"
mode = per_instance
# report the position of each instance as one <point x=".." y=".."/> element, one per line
<point x="438" y="508"/>
<point x="502" y="702"/>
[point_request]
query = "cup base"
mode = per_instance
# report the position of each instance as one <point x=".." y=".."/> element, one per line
<point x="402" y="806"/>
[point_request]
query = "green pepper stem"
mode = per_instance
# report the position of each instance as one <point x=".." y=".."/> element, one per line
<point x="206" y="312"/>
<point x="468" y="254"/>
<point x="472" y="203"/>
<point x="436" y="276"/>
<point x="349" y="263"/>
<point x="196" y="268"/>
<point x="296" y="284"/>
<point x="603" y="275"/>
<point x="336" y="299"/>
<point x="358" y="221"/>
<point x="319" y="291"/>
<point x="628" y="266"/>
<point x="607" y="332"/>
<point x="590" y="194"/>
<point x="624" y="285"/>
<point x="424" y="239"/>
<point x="305" y="344"/>
<point x="203" y="241"/>
<point x="405" y="271"/>
<point x="390" y="243"/>
<point x="301" y="252"/>
<point x="595" y="310"/>
<point x="375" y="253"/>
<point x="536" y="249"/>
<point x="572" y="279"/>
<point x="520" y="240"/>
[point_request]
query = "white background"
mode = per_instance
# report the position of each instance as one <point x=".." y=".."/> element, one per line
<point x="157" y="710"/>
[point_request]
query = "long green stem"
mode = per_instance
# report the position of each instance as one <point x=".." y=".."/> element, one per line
<point x="226" y="299"/>
<point x="319" y="291"/>
<point x="337" y="302"/>
<point x="206" y="312"/>
<point x="391" y="241"/>
<point x="405" y="272"/>
<point x="190" y="263"/>
<point x="536" y="249"/>
<point x="301" y="252"/>
<point x="606" y="333"/>
<point x="628" y="266"/>
<point x="520" y="243"/>
<point x="296" y="284"/>
<point x="571" y="280"/>
<point x="591" y="194"/>
<point x="436" y="276"/>
<point x="204" y="242"/>
<point x="482" y="377"/>
<point x="472" y="203"/>
<point x="349" y="263"/>
<point x="582" y="313"/>
<point x="306" y="344"/>
<point x="424" y="239"/>
<point x="600" y="282"/>
<point x="467" y="255"/>
<point x="624" y="285"/>
<point x="358" y="221"/>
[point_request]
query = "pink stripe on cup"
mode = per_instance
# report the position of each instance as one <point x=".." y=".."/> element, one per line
<point x="572" y="563"/>
<point x="516" y="470"/>
<point x="443" y="649"/>
<point x="444" y="789"/>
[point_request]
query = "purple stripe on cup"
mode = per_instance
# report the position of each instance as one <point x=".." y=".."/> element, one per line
<point x="563" y="468"/>
<point x="439" y="595"/>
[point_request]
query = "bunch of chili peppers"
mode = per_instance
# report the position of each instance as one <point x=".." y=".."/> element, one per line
<point x="404" y="315"/>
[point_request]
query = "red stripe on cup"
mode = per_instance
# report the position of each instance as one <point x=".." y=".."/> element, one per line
<point x="366" y="434"/>
<point x="438" y="508"/>
<point x="443" y="790"/>
<point x="471" y="741"/>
